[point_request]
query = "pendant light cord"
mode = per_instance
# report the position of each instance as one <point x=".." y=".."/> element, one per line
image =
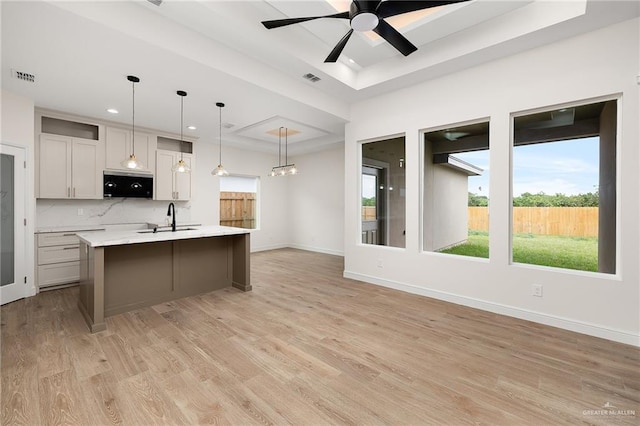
<point x="286" y="146"/>
<point x="133" y="120"/>
<point x="181" y="126"/>
<point x="280" y="146"/>
<point x="220" y="127"/>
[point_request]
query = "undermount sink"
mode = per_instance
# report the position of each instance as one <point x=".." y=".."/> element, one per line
<point x="154" y="231"/>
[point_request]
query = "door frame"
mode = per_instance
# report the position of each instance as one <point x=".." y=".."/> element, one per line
<point x="20" y="288"/>
<point x="384" y="199"/>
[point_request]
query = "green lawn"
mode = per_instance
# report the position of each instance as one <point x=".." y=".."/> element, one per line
<point x="560" y="252"/>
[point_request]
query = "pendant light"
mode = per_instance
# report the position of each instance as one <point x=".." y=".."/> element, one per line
<point x="181" y="166"/>
<point x="287" y="169"/>
<point x="131" y="162"/>
<point x="220" y="170"/>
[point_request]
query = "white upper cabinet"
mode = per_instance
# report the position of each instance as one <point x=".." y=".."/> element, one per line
<point x="172" y="186"/>
<point x="183" y="180"/>
<point x="73" y="152"/>
<point x="70" y="167"/>
<point x="55" y="166"/>
<point x="119" y="146"/>
<point x="87" y="163"/>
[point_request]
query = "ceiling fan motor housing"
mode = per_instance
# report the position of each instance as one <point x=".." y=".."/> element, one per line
<point x="362" y="15"/>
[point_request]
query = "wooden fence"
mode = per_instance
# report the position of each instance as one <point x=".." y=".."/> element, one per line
<point x="238" y="209"/>
<point x="565" y="221"/>
<point x="368" y="212"/>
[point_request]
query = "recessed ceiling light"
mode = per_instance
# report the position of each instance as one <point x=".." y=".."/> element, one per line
<point x="112" y="111"/>
<point x="191" y="127"/>
<point x="352" y="61"/>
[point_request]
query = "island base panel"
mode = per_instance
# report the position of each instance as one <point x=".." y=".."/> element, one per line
<point x="122" y="278"/>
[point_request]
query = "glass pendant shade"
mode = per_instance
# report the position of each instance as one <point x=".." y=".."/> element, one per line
<point x="181" y="166"/>
<point x="220" y="170"/>
<point x="131" y="162"/>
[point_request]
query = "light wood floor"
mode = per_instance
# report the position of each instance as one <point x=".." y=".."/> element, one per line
<point x="306" y="347"/>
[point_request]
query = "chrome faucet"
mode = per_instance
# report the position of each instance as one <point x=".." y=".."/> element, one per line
<point x="173" y="220"/>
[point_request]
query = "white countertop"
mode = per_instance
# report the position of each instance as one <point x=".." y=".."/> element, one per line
<point x="42" y="230"/>
<point x="115" y="238"/>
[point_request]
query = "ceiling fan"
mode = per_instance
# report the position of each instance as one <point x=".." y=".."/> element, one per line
<point x="366" y="15"/>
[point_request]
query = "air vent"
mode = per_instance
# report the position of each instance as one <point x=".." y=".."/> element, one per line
<point x="311" y="77"/>
<point x="23" y="76"/>
<point x="156" y="2"/>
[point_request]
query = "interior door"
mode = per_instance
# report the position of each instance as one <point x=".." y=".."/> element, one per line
<point x="13" y="284"/>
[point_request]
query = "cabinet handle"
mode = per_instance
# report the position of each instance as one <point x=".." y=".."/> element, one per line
<point x="68" y="192"/>
<point x="74" y="192"/>
<point x="177" y="195"/>
<point x="69" y="248"/>
<point x="68" y="235"/>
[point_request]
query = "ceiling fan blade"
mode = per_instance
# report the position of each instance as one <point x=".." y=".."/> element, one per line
<point x="277" y="23"/>
<point x="370" y="5"/>
<point x="335" y="53"/>
<point x="392" y="8"/>
<point x="394" y="38"/>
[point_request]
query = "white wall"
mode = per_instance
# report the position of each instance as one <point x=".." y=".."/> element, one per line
<point x="17" y="129"/>
<point x="590" y="66"/>
<point x="274" y="216"/>
<point x="450" y="193"/>
<point x="316" y="201"/>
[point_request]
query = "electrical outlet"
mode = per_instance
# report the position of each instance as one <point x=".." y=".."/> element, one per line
<point x="380" y="265"/>
<point x="536" y="290"/>
<point x="80" y="212"/>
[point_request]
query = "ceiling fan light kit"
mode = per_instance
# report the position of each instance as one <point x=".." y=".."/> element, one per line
<point x="367" y="15"/>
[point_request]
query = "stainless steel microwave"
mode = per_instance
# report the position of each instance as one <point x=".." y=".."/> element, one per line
<point x="129" y="185"/>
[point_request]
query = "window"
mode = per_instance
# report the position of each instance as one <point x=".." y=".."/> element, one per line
<point x="383" y="193"/>
<point x="456" y="190"/>
<point x="564" y="188"/>
<point x="239" y="201"/>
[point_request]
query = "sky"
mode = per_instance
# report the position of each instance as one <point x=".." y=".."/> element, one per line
<point x="567" y="167"/>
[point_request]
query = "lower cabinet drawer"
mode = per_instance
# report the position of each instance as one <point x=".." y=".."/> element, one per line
<point x="57" y="254"/>
<point x="57" y="238"/>
<point x="58" y="273"/>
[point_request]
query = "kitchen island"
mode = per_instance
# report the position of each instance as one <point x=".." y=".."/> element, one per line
<point x="126" y="270"/>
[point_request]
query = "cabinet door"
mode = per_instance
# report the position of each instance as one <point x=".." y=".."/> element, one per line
<point x="182" y="181"/>
<point x="164" y="175"/>
<point x="145" y="149"/>
<point x="55" y="166"/>
<point x="116" y="147"/>
<point x="86" y="169"/>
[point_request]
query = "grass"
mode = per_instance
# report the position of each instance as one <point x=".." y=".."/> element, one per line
<point x="560" y="252"/>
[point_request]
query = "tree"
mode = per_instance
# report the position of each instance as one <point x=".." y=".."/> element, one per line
<point x="369" y="201"/>
<point x="477" y="200"/>
<point x="527" y="199"/>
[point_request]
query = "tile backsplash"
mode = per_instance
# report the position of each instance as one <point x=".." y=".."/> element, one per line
<point x="53" y="213"/>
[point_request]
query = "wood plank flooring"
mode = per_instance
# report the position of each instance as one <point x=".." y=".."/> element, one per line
<point x="306" y="347"/>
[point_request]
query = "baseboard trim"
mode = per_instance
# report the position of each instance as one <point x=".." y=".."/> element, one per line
<point x="497" y="308"/>
<point x="316" y="249"/>
<point x="266" y="248"/>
